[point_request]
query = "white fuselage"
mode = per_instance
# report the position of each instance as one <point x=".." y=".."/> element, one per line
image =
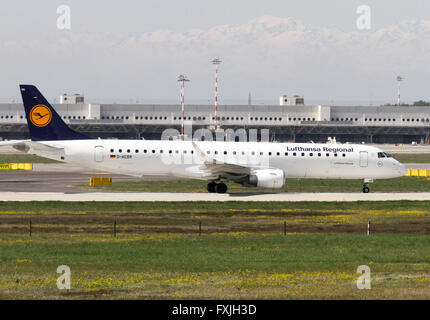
<point x="185" y="158"/>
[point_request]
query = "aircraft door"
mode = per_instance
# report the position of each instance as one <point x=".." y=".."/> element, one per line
<point x="363" y="158"/>
<point x="98" y="154"/>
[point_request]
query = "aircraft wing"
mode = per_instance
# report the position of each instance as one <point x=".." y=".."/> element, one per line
<point x="37" y="146"/>
<point x="28" y="145"/>
<point x="12" y="142"/>
<point x="215" y="168"/>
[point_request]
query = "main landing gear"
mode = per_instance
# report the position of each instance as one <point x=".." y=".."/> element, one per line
<point x="217" y="187"/>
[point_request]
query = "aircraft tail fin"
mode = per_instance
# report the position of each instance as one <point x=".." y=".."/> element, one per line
<point x="43" y="121"/>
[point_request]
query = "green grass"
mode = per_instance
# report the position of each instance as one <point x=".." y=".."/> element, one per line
<point x="412" y="157"/>
<point x="402" y="184"/>
<point x="48" y="207"/>
<point x="24" y="158"/>
<point x="241" y="253"/>
<point x="217" y="266"/>
<point x="220" y="253"/>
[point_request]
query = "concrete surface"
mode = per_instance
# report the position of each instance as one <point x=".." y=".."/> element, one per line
<point x="146" y="196"/>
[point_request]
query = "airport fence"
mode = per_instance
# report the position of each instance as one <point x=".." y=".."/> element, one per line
<point x="34" y="227"/>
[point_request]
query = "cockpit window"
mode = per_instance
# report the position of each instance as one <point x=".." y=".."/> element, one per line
<point x="384" y="155"/>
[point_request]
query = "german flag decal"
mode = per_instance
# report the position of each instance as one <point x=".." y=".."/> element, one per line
<point x="112" y="156"/>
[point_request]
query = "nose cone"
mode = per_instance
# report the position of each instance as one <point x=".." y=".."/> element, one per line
<point x="402" y="169"/>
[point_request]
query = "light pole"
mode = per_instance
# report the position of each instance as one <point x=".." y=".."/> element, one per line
<point x="399" y="79"/>
<point x="182" y="79"/>
<point x="216" y="62"/>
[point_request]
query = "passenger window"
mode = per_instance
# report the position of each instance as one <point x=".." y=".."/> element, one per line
<point x="120" y="150"/>
<point x="153" y="151"/>
<point x="137" y="151"/>
<point x="111" y="150"/>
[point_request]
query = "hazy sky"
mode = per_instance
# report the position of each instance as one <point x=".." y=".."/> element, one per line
<point x="128" y="49"/>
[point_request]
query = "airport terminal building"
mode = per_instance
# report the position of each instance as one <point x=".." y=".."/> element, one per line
<point x="285" y="122"/>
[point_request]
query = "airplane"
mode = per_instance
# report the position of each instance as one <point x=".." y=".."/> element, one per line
<point x="251" y="164"/>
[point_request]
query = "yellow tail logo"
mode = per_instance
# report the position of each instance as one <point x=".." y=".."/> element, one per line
<point x="40" y="115"/>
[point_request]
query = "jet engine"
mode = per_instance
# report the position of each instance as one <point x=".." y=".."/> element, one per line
<point x="267" y="178"/>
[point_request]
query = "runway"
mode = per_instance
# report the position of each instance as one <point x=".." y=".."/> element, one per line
<point x="55" y="177"/>
<point x="167" y="197"/>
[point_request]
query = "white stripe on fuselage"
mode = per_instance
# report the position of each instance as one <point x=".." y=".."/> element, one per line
<point x="303" y="160"/>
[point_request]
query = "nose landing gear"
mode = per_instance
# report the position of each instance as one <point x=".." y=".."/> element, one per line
<point x="366" y="182"/>
<point x="366" y="188"/>
<point x="213" y="187"/>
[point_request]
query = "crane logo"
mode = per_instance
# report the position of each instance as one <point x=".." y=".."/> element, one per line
<point x="40" y="115"/>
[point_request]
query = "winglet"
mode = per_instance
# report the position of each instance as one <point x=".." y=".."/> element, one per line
<point x="202" y="155"/>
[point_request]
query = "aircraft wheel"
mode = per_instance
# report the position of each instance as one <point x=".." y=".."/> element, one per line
<point x="221" y="188"/>
<point x="211" y="187"/>
<point x="366" y="189"/>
